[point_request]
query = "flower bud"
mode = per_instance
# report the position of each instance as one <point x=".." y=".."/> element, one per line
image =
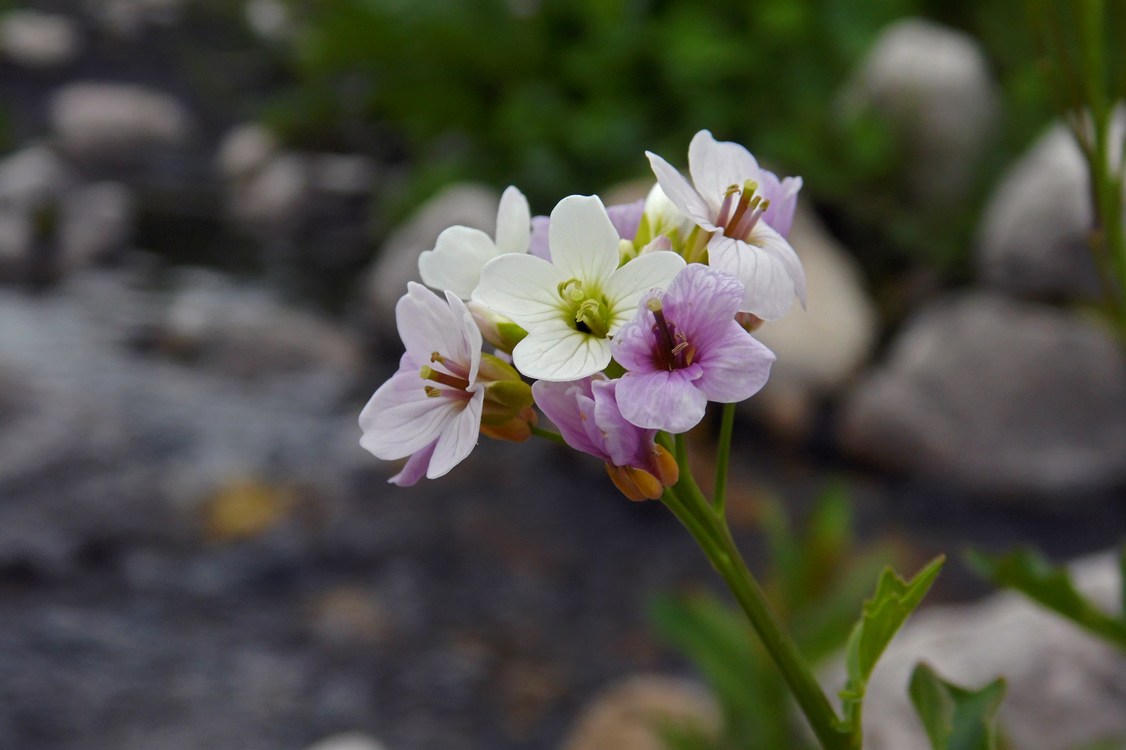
<point x="668" y="470"/>
<point x="635" y="484"/>
<point x="749" y="321"/>
<point x="516" y="429"/>
<point x="496" y="329"/>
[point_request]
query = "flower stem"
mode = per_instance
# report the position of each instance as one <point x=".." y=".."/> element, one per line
<point x="723" y="458"/>
<point x="551" y="435"/>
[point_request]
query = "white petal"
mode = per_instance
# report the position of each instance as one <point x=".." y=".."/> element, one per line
<point x="558" y="353"/>
<point x="682" y="194"/>
<point x="583" y="241"/>
<point x="471" y="337"/>
<point x="514" y="222"/>
<point x="716" y="165"/>
<point x="427" y="324"/>
<point x="632" y="281"/>
<point x="523" y="288"/>
<point x="770" y="241"/>
<point x="401" y="419"/>
<point x="458" y="439"/>
<point x="456" y="261"/>
<point x="768" y="286"/>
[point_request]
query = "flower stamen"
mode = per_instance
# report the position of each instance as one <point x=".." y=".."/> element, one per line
<point x="429" y="373"/>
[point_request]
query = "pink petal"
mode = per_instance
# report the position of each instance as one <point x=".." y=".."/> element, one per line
<point x="662" y="400"/>
<point x="400" y="419"/>
<point x="415" y="468"/>
<point x="783" y="197"/>
<point x="633" y="344"/>
<point x="702" y="302"/>
<point x="625" y="288"/>
<point x="428" y="324"/>
<point x="458" y="438"/>
<point x="626" y="443"/>
<point x="560" y="402"/>
<point x="626" y="218"/>
<point x="734" y="366"/>
<point x="538" y="245"/>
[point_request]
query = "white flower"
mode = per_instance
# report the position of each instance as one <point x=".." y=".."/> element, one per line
<point x="461" y="252"/>
<point x="571" y="305"/>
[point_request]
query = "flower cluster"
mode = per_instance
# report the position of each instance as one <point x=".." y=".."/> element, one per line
<point x="628" y="320"/>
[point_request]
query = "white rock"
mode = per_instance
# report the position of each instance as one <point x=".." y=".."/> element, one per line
<point x="342" y="174"/>
<point x="1065" y="687"/>
<point x="38" y="40"/>
<point x="348" y="741"/>
<point x="466" y="204"/>
<point x="95" y="220"/>
<point x="15" y="242"/>
<point x="31" y="178"/>
<point x="94" y="120"/>
<point x="245" y="150"/>
<point x="275" y="195"/>
<point x="269" y="19"/>
<point x="130" y="17"/>
<point x="932" y="85"/>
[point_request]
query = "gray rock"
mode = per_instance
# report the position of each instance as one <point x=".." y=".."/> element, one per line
<point x="269" y="19"/>
<point x="343" y="175"/>
<point x="275" y="195"/>
<point x="38" y="40"/>
<point x="245" y="150"/>
<point x="818" y="349"/>
<point x="95" y="221"/>
<point x="1065" y="687"/>
<point x="129" y="18"/>
<point x="932" y="85"/>
<point x="93" y="121"/>
<point x="348" y="741"/>
<point x="16" y="237"/>
<point x="32" y="178"/>
<point x="1033" y="240"/>
<point x="996" y="395"/>
<point x="466" y="204"/>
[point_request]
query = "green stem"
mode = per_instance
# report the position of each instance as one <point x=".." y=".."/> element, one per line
<point x="687" y="482"/>
<point x="723" y="458"/>
<point x="551" y="435"/>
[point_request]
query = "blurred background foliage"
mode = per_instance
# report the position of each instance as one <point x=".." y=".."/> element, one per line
<point x="559" y="96"/>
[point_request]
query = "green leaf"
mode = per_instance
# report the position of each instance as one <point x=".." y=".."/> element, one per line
<point x="1050" y="586"/>
<point x="893" y="602"/>
<point x="956" y="718"/>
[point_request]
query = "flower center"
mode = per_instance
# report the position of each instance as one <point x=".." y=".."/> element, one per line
<point x="673" y="350"/>
<point x="740" y="211"/>
<point x="452" y="375"/>
<point x="586" y="308"/>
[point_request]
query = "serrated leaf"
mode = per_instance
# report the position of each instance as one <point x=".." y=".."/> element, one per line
<point x="884" y="614"/>
<point x="956" y="718"/>
<point x="1050" y="586"/>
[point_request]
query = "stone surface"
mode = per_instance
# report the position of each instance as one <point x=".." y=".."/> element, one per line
<point x="94" y="221"/>
<point x="245" y="150"/>
<point x="820" y="348"/>
<point x="275" y="195"/>
<point x="129" y="18"/>
<point x="96" y="120"/>
<point x="269" y="19"/>
<point x="38" y="40"/>
<point x="1033" y="240"/>
<point x="933" y="86"/>
<point x="397" y="263"/>
<point x="627" y="715"/>
<point x="31" y="178"/>
<point x="1065" y="687"/>
<point x="996" y="395"/>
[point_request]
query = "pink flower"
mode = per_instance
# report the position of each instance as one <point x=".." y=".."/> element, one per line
<point x="684" y="348"/>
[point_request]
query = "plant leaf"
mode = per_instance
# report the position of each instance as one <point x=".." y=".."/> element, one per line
<point x="894" y="600"/>
<point x="956" y="718"/>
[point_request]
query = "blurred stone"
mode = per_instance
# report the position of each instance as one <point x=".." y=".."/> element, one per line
<point x="342" y="174"/>
<point x="130" y="17"/>
<point x="350" y="615"/>
<point x="348" y="741"/>
<point x="38" y="40"/>
<point x="1034" y="235"/>
<point x="1065" y="686"/>
<point x="113" y="120"/>
<point x="996" y="395"/>
<point x="628" y="715"/>
<point x="245" y="150"/>
<point x="275" y="195"/>
<point x="16" y="238"/>
<point x="932" y="85"/>
<point x="245" y="508"/>
<point x="466" y="204"/>
<point x="818" y="349"/>
<point x="31" y="178"/>
<point x="269" y="19"/>
<point x="95" y="221"/>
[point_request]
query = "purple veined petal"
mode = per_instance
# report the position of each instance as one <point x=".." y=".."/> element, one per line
<point x="716" y="165"/>
<point x="769" y="288"/>
<point x="625" y="288"/>
<point x="735" y="366"/>
<point x="456" y="261"/>
<point x="458" y="438"/>
<point x="783" y="197"/>
<point x="584" y="244"/>
<point x="415" y="468"/>
<point x="662" y="399"/>
<point x="632" y="346"/>
<point x="427" y="324"/>
<point x="555" y="351"/>
<point x="626" y="218"/>
<point x="538" y="245"/>
<point x="626" y="443"/>
<point x="702" y="302"/>
<point x="514" y="220"/>
<point x="560" y="402"/>
<point x="400" y="419"/>
<point x="522" y="288"/>
<point x="685" y="197"/>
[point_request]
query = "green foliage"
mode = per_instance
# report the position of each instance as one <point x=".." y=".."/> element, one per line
<point x="1051" y="586"/>
<point x="956" y="718"/>
<point x="884" y="614"/>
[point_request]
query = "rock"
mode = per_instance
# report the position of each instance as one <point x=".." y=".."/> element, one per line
<point x="933" y="87"/>
<point x="466" y="204"/>
<point x="996" y="395"/>
<point x="348" y="741"/>
<point x="16" y="237"/>
<point x="343" y="175"/>
<point x="269" y="19"/>
<point x="245" y="150"/>
<point x="95" y="221"/>
<point x="275" y="195"/>
<point x="349" y="615"/>
<point x="818" y="349"/>
<point x="626" y="716"/>
<point x="95" y="121"/>
<point x="1065" y="687"/>
<point x="130" y="17"/>
<point x="1033" y="240"/>
<point x="32" y="178"/>
<point x="38" y="40"/>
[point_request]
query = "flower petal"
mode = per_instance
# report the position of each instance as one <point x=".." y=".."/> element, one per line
<point x="682" y="194"/>
<point x="538" y="244"/>
<point x="716" y="165"/>
<point x="767" y="277"/>
<point x="626" y="218"/>
<point x="400" y="419"/>
<point x="415" y="468"/>
<point x="428" y="324"/>
<point x="584" y="244"/>
<point x="514" y="222"/>
<point x="458" y="438"/>
<point x="627" y="285"/>
<point x="456" y="261"/>
<point x="735" y="366"/>
<point x="560" y="402"/>
<point x="558" y="352"/>
<point x="783" y="197"/>
<point x="633" y="344"/>
<point x="625" y="443"/>
<point x="523" y="288"/>
<point x="662" y="399"/>
<point x="702" y="302"/>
